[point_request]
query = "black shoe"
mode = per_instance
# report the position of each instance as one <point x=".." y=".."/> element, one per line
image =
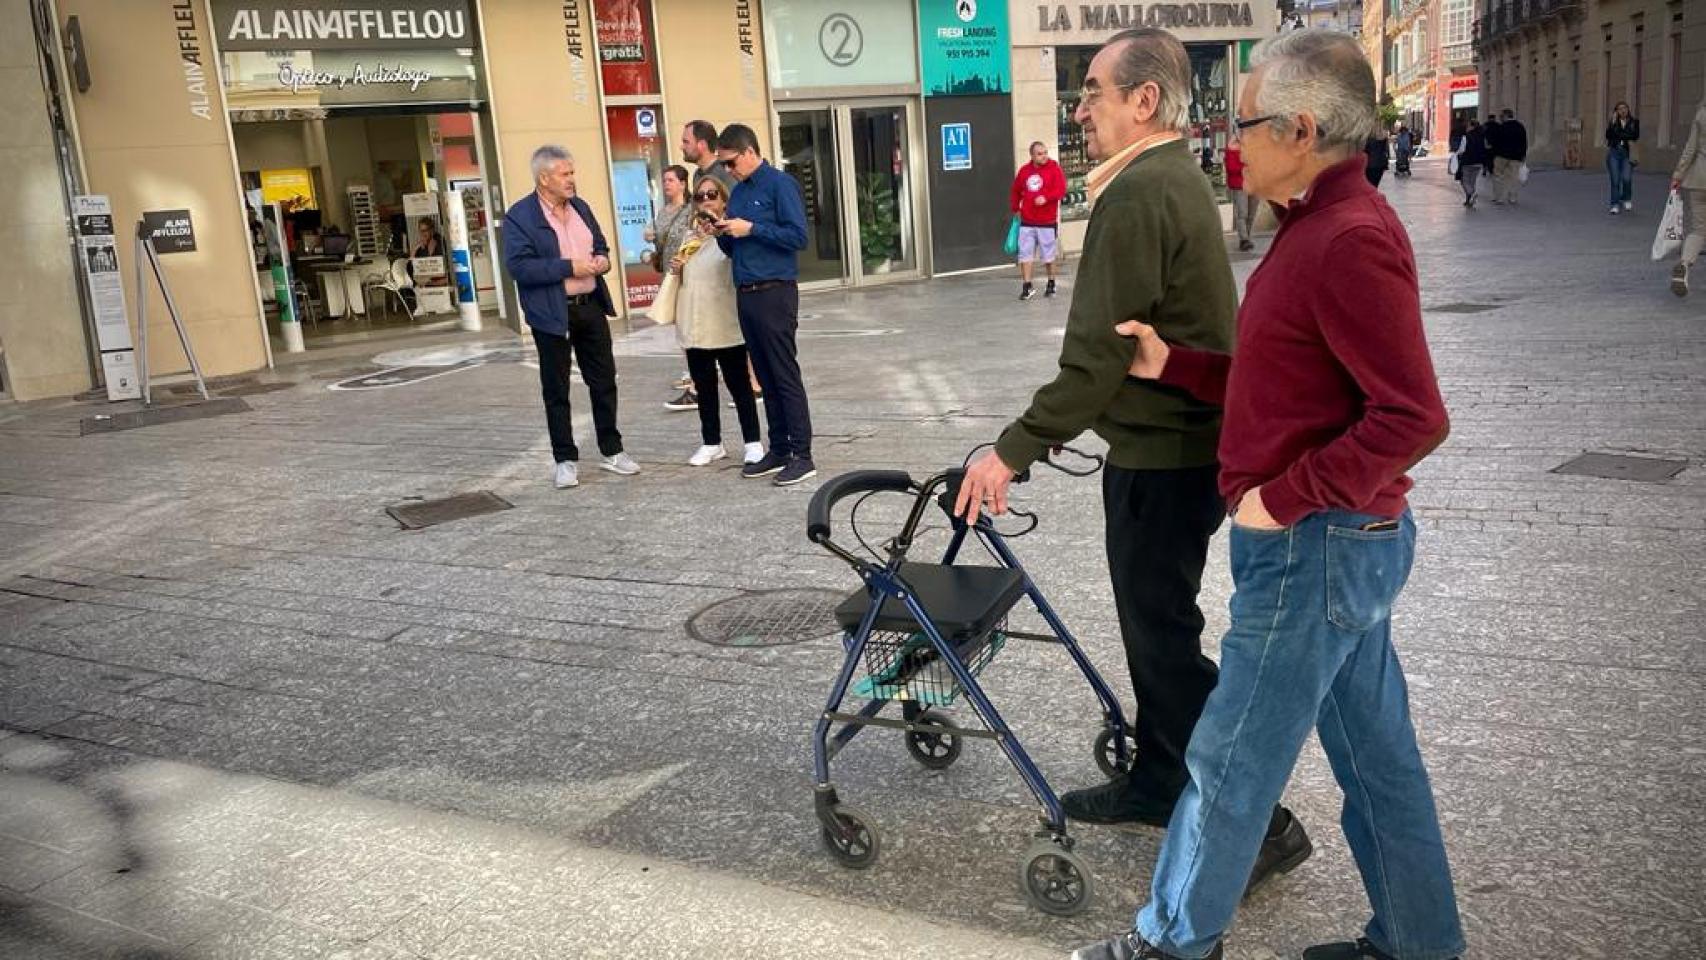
<point x="1026" y="292"/>
<point x="1048" y="291"/>
<point x="798" y="469"/>
<point x="687" y="401"/>
<point x="1246" y="245"/>
<point x="1115" y="802"/>
<point x="1129" y="946"/>
<point x="1360" y="949"/>
<point x="1281" y="852"/>
<point x="772" y="462"/>
<point x="1679" y="280"/>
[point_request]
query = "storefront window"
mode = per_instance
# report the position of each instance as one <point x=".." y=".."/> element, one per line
<point x="1210" y="107"/>
<point x="627" y="55"/>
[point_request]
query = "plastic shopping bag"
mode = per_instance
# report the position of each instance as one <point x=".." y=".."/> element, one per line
<point x="1669" y="239"/>
<point x="1522" y="173"/>
<point x="1452" y="165"/>
<point x="1011" y="246"/>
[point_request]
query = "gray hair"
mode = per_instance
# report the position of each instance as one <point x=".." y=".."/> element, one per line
<point x="1322" y="73"/>
<point x="547" y="156"/>
<point x="1156" y="56"/>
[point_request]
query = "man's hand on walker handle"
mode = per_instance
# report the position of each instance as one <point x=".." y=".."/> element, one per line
<point x="1151" y="355"/>
<point x="984" y="488"/>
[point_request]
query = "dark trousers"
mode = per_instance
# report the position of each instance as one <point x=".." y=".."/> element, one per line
<point x="1158" y="527"/>
<point x="1374" y="175"/>
<point x="703" y="365"/>
<point x="589" y="341"/>
<point x="769" y="318"/>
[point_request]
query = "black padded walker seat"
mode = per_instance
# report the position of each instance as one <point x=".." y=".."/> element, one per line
<point x="963" y="602"/>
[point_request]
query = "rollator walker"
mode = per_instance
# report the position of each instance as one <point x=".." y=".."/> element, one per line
<point x="923" y="633"/>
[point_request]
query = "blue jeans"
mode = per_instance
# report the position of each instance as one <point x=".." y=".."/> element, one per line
<point x="1310" y="646"/>
<point x="1622" y="172"/>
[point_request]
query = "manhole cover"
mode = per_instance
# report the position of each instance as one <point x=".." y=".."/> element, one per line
<point x="1462" y="308"/>
<point x="426" y="513"/>
<point x="767" y="618"/>
<point x="1612" y="466"/>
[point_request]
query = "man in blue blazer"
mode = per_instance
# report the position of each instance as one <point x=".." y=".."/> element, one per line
<point x="558" y="257"/>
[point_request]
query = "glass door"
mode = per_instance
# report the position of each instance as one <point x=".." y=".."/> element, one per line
<point x="808" y="153"/>
<point x="882" y="187"/>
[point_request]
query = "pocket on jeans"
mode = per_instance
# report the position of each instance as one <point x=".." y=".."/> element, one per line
<point x="1365" y="571"/>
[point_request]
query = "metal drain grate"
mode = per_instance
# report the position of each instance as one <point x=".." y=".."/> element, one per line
<point x="767" y="618"/>
<point x="253" y="389"/>
<point x="1613" y="466"/>
<point x="153" y="416"/>
<point x="427" y="513"/>
<point x="1461" y="308"/>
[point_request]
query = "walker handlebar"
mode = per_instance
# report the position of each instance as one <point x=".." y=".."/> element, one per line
<point x="847" y="485"/>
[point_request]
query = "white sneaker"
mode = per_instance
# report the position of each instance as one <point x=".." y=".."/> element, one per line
<point x="707" y="454"/>
<point x="1615" y="210"/>
<point x="620" y="463"/>
<point x="1628" y="204"/>
<point x="567" y="476"/>
<point x="753" y="453"/>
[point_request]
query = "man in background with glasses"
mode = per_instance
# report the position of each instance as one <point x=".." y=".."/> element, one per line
<point x="1153" y="250"/>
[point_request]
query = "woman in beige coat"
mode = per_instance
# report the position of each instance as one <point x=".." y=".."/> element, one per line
<point x="708" y="327"/>
<point x="1690" y="178"/>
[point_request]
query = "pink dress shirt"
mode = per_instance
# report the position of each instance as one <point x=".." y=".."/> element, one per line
<point x="574" y="242"/>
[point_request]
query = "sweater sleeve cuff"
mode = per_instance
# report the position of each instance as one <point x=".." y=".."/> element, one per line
<point x="1018" y="449"/>
<point x="1191" y="370"/>
<point x="1283" y="501"/>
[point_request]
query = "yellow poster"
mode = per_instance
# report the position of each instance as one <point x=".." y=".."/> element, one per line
<point x="291" y="187"/>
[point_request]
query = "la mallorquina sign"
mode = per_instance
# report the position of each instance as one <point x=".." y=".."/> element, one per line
<point x="1123" y="16"/>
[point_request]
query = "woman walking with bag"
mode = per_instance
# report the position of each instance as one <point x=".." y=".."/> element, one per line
<point x="1690" y="178"/>
<point x="1620" y="137"/>
<point x="708" y="328"/>
<point x="1471" y="157"/>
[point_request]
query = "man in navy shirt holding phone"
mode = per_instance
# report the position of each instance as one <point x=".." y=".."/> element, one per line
<point x="763" y="233"/>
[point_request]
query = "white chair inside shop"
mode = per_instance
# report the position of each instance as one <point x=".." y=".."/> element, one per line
<point x="393" y="282"/>
<point x="305" y="302"/>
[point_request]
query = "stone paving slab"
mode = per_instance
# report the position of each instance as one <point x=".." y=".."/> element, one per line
<point x="304" y="732"/>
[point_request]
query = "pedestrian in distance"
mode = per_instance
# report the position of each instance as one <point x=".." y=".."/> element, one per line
<point x="1378" y="152"/>
<point x="554" y="249"/>
<point x="1472" y="160"/>
<point x="1243" y="205"/>
<point x="1325" y="414"/>
<point x="1509" y="147"/>
<point x="1035" y="197"/>
<point x="1690" y="178"/>
<point x="1404" y="146"/>
<point x="1621" y="135"/>
<point x="708" y="327"/>
<point x="669" y="228"/>
<point x="1154" y="249"/>
<point x="763" y="232"/>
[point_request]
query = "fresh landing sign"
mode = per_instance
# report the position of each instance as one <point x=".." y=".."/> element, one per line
<point x="343" y="26"/>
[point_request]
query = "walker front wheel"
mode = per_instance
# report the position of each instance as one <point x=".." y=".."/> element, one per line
<point x="1055" y="879"/>
<point x="851" y="840"/>
<point x="1105" y="759"/>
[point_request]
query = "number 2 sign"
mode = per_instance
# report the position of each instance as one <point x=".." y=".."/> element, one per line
<point x="840" y="39"/>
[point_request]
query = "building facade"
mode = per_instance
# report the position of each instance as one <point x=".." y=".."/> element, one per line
<point x="1563" y="65"/>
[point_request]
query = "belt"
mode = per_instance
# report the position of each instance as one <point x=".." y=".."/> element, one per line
<point x="579" y="299"/>
<point x="761" y="285"/>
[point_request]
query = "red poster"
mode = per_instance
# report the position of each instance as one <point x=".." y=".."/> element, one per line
<point x="627" y="54"/>
<point x="636" y="173"/>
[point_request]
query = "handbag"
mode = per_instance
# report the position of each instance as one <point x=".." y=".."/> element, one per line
<point x="663" y="305"/>
<point x="1011" y="245"/>
<point x="1669" y="238"/>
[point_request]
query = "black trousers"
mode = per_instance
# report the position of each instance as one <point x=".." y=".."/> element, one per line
<point x="703" y="365"/>
<point x="1159" y="523"/>
<point x="769" y="319"/>
<point x="589" y="341"/>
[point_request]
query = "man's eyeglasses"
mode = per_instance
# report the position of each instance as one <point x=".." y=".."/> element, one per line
<point x="1089" y="95"/>
<point x="707" y="195"/>
<point x="1239" y="126"/>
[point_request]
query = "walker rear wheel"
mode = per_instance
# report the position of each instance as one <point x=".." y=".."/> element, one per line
<point x="937" y="751"/>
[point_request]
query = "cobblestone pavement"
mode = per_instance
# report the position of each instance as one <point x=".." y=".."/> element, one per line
<point x="243" y="714"/>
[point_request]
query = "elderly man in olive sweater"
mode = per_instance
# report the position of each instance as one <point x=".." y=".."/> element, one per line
<point x="1155" y="250"/>
<point x="1330" y="399"/>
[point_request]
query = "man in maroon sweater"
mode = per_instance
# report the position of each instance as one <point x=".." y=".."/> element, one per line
<point x="1331" y="399"/>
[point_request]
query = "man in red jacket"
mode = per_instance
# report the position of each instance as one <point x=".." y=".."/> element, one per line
<point x="1036" y="194"/>
<point x="1243" y="204"/>
<point x="1330" y="398"/>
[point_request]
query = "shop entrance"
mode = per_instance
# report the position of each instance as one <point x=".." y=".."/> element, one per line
<point x="861" y="173"/>
<point x="364" y="202"/>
